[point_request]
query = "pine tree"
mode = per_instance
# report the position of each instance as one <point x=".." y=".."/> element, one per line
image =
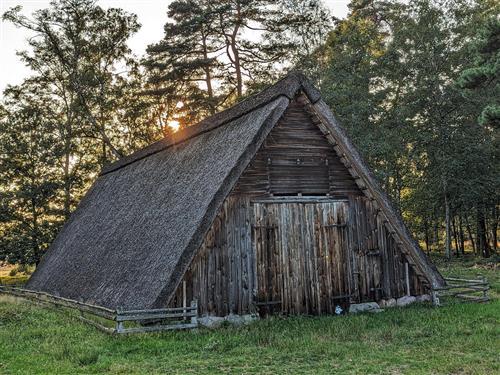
<point x="390" y="74"/>
<point x="215" y="53"/>
<point x="481" y="85"/>
<point x="183" y="66"/>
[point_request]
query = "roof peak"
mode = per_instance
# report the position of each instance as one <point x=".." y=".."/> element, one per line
<point x="288" y="86"/>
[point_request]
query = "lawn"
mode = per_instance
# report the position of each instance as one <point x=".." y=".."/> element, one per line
<point x="459" y="339"/>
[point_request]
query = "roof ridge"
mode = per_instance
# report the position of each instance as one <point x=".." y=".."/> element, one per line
<point x="287" y="86"/>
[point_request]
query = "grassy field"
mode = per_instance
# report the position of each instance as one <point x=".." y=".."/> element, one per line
<point x="10" y="275"/>
<point x="456" y="339"/>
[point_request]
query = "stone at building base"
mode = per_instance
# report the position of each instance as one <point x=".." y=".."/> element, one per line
<point x="424" y="298"/>
<point x="233" y="319"/>
<point x="363" y="307"/>
<point x="391" y="302"/>
<point x="406" y="300"/>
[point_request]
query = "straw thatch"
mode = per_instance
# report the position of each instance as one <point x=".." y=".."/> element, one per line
<point x="135" y="232"/>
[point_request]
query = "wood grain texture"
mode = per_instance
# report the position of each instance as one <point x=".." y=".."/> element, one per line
<point x="297" y="235"/>
<point x="295" y="258"/>
<point x="302" y="254"/>
<point x="296" y="158"/>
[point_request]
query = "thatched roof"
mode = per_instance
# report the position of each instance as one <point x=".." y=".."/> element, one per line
<point x="135" y="232"/>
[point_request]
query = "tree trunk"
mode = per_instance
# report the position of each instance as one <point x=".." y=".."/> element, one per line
<point x="67" y="134"/>
<point x="427" y="245"/>
<point x="34" y="233"/>
<point x="448" y="228"/>
<point x="455" y="236"/>
<point x="461" y="235"/>
<point x="482" y="242"/>
<point x="469" y="233"/>
<point x="67" y="186"/>
<point x="494" y="228"/>
<point x="435" y="239"/>
<point x="208" y="77"/>
<point x="237" y="67"/>
<point x="236" y="54"/>
<point x="104" y="157"/>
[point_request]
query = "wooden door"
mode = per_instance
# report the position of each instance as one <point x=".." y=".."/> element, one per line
<point x="301" y="257"/>
<point x="367" y="237"/>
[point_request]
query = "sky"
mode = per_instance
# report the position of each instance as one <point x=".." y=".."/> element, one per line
<point x="152" y="15"/>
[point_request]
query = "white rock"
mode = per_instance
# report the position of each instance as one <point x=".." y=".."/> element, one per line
<point x="217" y="321"/>
<point x="239" y="320"/>
<point x="391" y="302"/>
<point x="405" y="301"/>
<point x="250" y="318"/>
<point x="236" y="320"/>
<point x="363" y="307"/>
<point x="211" y="321"/>
<point x="424" y="298"/>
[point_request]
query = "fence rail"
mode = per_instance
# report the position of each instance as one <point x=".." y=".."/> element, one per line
<point x="473" y="290"/>
<point x="117" y="321"/>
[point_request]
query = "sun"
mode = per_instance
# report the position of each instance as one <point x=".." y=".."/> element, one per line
<point x="174" y="124"/>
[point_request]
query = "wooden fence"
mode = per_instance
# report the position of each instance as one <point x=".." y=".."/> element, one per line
<point x="473" y="290"/>
<point x="138" y="321"/>
<point x="117" y="321"/>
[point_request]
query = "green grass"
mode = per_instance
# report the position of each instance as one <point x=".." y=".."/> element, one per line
<point x="456" y="339"/>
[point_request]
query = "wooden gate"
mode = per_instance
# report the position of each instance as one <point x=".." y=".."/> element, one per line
<point x="302" y="256"/>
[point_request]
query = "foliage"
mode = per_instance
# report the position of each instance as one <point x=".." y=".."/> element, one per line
<point x="415" y="83"/>
<point x="29" y="151"/>
<point x="390" y="75"/>
<point x="213" y="51"/>
<point x="186" y="58"/>
<point x="484" y="75"/>
<point x="66" y="121"/>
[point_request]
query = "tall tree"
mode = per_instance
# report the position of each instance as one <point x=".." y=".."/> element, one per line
<point x="481" y="85"/>
<point x="83" y="44"/>
<point x="29" y="150"/>
<point x="213" y="52"/>
<point x="390" y="76"/>
<point x="75" y="105"/>
<point x="299" y="30"/>
<point x="183" y="65"/>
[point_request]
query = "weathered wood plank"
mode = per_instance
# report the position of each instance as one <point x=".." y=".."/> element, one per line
<point x="296" y="158"/>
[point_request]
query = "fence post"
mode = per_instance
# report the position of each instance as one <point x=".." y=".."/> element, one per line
<point x="485" y="291"/>
<point x="184" y="298"/>
<point x="435" y="298"/>
<point x="81" y="312"/>
<point x="119" y="324"/>
<point x="194" y="319"/>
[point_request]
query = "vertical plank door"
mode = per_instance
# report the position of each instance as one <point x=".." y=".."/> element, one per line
<point x="301" y="257"/>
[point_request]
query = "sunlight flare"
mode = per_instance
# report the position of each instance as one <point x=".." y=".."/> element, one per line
<point x="174" y="124"/>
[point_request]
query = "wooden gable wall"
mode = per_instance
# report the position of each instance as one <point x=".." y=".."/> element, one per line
<point x="296" y="159"/>
<point x="302" y="186"/>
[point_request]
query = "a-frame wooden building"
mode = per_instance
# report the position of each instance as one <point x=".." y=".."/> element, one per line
<point x="265" y="206"/>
